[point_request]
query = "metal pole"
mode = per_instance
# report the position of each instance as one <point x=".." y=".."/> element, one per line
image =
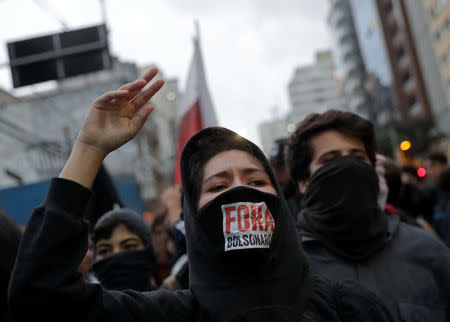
<point x="103" y="10"/>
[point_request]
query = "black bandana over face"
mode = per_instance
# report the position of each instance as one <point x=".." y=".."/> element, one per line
<point x="126" y="270"/>
<point x="245" y="259"/>
<point x="341" y="208"/>
<point x="239" y="226"/>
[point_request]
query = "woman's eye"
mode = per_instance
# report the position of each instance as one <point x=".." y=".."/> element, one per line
<point x="257" y="183"/>
<point x="217" y="188"/>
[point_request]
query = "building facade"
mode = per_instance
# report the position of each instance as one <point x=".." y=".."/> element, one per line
<point x="439" y="22"/>
<point x="315" y="88"/>
<point x="416" y="79"/>
<point x="349" y="60"/>
<point x="378" y="83"/>
<point x="271" y="131"/>
<point x="44" y="125"/>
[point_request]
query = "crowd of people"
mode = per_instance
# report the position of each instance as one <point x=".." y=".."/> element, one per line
<point x="325" y="229"/>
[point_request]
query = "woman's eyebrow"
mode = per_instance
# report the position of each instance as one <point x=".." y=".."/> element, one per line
<point x="252" y="170"/>
<point x="221" y="174"/>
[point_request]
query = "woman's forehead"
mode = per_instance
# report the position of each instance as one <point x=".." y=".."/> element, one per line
<point x="231" y="159"/>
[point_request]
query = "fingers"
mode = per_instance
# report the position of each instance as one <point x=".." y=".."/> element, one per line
<point x="148" y="76"/>
<point x="140" y="118"/>
<point x="145" y="95"/>
<point x="134" y="87"/>
<point x="138" y="84"/>
<point x="109" y="96"/>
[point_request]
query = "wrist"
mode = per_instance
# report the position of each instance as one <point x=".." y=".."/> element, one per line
<point x="88" y="151"/>
<point x="83" y="164"/>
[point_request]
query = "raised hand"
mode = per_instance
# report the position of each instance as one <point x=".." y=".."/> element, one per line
<point x="117" y="116"/>
<point x="114" y="119"/>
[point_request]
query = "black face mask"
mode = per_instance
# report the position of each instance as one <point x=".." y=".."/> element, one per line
<point x="239" y="226"/>
<point x="341" y="208"/>
<point x="245" y="259"/>
<point x="127" y="270"/>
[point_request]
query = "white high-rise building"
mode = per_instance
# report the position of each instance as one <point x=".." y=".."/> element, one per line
<point x="271" y="131"/>
<point x="315" y="88"/>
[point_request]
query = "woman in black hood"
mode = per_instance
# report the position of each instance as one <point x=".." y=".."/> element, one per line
<point x="243" y="253"/>
<point x="245" y="259"/>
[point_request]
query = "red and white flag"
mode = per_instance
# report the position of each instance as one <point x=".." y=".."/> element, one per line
<point x="196" y="108"/>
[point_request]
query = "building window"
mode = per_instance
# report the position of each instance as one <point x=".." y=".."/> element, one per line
<point x="411" y="101"/>
<point x="439" y="4"/>
<point x="445" y="58"/>
<point x="437" y="35"/>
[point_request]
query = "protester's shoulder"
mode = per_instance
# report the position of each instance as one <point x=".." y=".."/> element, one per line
<point x="419" y="239"/>
<point x="175" y="305"/>
<point x="348" y="301"/>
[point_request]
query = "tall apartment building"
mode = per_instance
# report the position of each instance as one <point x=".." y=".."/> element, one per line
<point x="415" y="77"/>
<point x="315" y="88"/>
<point x="378" y="82"/>
<point x="349" y="60"/>
<point x="439" y="22"/>
<point x="271" y="131"/>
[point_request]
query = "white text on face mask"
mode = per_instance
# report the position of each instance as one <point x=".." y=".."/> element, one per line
<point x="247" y="225"/>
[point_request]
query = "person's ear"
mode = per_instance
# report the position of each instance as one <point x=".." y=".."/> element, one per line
<point x="302" y="184"/>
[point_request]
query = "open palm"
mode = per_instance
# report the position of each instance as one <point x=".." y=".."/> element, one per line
<point x="117" y="116"/>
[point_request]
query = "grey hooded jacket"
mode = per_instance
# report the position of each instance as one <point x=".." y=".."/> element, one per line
<point x="411" y="273"/>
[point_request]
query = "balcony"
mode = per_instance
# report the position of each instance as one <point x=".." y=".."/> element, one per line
<point x="409" y="85"/>
<point x="397" y="40"/>
<point x="403" y="62"/>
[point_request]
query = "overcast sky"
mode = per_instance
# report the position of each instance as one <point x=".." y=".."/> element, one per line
<point x="250" y="47"/>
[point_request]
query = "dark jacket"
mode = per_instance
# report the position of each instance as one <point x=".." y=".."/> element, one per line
<point x="46" y="287"/>
<point x="411" y="273"/>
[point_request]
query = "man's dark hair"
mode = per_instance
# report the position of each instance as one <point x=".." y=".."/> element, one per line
<point x="349" y="124"/>
<point x="438" y="157"/>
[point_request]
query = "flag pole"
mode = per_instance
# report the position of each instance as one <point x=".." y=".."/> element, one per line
<point x="197" y="30"/>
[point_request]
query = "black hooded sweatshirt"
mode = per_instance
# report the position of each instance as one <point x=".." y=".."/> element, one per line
<point x="45" y="285"/>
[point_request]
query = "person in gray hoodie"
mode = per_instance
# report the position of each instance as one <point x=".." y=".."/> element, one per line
<point x="344" y="232"/>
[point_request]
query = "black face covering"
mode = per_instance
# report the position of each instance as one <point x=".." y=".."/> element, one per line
<point x="341" y="208"/>
<point x="239" y="226"/>
<point x="126" y="270"/>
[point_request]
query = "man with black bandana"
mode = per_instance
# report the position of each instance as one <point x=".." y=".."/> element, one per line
<point x="347" y="236"/>
<point x="230" y="191"/>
